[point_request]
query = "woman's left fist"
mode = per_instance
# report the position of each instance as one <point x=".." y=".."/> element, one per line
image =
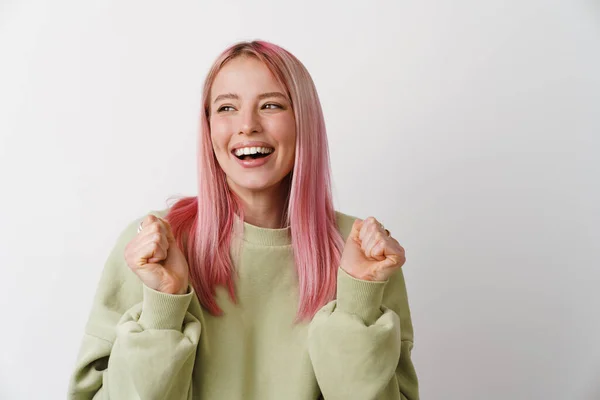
<point x="370" y="253"/>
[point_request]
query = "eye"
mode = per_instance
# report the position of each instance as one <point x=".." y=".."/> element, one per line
<point x="222" y="108"/>
<point x="272" y="104"/>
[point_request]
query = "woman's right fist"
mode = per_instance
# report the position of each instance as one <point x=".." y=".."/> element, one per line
<point x="153" y="255"/>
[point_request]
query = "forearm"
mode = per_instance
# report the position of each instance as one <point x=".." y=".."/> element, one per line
<point x="356" y="347"/>
<point x="152" y="356"/>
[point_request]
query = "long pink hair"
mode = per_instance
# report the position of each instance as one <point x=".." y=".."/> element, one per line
<point x="207" y="220"/>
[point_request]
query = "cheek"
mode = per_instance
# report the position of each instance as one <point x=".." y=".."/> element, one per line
<point x="219" y="135"/>
<point x="291" y="139"/>
<point x="284" y="131"/>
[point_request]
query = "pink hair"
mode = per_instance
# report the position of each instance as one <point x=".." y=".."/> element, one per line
<point x="207" y="220"/>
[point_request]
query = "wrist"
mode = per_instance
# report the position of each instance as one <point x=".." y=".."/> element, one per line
<point x="162" y="310"/>
<point x="183" y="290"/>
<point x="361" y="274"/>
<point x="360" y="297"/>
<point x="176" y="290"/>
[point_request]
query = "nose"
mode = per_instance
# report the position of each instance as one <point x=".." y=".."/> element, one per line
<point x="250" y="122"/>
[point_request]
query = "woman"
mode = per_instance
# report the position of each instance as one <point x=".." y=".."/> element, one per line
<point x="256" y="288"/>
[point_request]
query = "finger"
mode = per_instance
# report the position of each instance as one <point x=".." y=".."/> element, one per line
<point x="356" y="227"/>
<point x="367" y="241"/>
<point x="387" y="263"/>
<point x="378" y="251"/>
<point x="364" y="229"/>
<point x="148" y="220"/>
<point x="167" y="229"/>
<point x="156" y="252"/>
<point x="397" y="245"/>
<point x="157" y="224"/>
<point x="151" y="231"/>
<point x="163" y="245"/>
<point x="146" y="224"/>
<point x="370" y="225"/>
<point x="151" y="219"/>
<point x="153" y="244"/>
<point x="152" y="249"/>
<point x="394" y="258"/>
<point x="373" y="246"/>
<point x="393" y="261"/>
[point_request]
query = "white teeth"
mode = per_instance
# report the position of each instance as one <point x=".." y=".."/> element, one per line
<point x="253" y="150"/>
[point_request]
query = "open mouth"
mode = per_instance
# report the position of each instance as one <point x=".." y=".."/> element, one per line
<point x="253" y="153"/>
<point x="252" y="156"/>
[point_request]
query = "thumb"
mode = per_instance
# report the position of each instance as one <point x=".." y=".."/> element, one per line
<point x="389" y="261"/>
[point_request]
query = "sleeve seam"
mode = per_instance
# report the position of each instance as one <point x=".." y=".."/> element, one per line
<point x="99" y="337"/>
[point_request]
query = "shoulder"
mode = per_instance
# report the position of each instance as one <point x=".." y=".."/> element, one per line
<point x="344" y="223"/>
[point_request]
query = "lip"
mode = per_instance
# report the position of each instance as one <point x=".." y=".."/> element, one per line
<point x="253" y="163"/>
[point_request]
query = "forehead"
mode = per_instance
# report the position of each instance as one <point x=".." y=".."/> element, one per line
<point x="245" y="76"/>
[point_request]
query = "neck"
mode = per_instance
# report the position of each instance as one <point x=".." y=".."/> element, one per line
<point x="264" y="208"/>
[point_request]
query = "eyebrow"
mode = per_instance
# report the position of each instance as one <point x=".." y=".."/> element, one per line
<point x="260" y="97"/>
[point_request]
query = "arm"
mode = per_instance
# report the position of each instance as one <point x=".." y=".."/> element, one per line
<point x="138" y="342"/>
<point x="360" y="344"/>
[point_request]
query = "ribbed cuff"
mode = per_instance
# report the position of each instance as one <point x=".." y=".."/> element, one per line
<point x="163" y="310"/>
<point x="359" y="297"/>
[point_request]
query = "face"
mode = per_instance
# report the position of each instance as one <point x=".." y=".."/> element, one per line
<point x="252" y="126"/>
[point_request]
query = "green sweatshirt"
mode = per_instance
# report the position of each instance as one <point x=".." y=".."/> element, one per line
<point x="143" y="344"/>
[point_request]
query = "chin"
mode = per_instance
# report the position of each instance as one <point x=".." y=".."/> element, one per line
<point x="253" y="184"/>
<point x="256" y="183"/>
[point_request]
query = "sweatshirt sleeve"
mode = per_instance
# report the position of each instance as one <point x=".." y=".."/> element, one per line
<point x="138" y="342"/>
<point x="360" y="344"/>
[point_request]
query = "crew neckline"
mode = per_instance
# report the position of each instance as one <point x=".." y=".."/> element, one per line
<point x="265" y="236"/>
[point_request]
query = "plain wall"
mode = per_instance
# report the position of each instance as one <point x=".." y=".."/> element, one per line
<point x="470" y="128"/>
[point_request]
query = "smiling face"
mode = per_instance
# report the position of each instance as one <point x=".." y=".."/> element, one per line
<point x="252" y="125"/>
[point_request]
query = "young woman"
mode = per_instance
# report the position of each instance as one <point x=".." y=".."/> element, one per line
<point x="256" y="288"/>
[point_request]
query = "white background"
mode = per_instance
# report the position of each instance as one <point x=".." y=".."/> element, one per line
<point x="470" y="128"/>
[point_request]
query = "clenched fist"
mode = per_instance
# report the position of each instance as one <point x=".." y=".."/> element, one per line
<point x="153" y="255"/>
<point x="370" y="253"/>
